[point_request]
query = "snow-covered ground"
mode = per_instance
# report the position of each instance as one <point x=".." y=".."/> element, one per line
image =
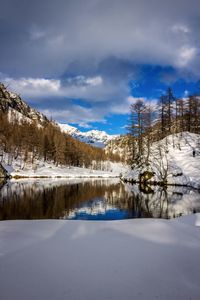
<point x="173" y="157"/>
<point x="129" y="259"/>
<point x="47" y="169"/>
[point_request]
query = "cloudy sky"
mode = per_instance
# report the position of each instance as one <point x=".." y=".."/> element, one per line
<point x="84" y="62"/>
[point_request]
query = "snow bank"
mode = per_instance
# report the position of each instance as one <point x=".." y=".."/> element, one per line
<point x="129" y="259"/>
<point x="47" y="169"/>
<point x="72" y="172"/>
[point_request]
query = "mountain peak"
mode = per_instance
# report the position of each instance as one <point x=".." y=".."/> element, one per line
<point x="93" y="137"/>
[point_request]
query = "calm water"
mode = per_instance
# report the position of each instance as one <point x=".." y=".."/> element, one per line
<point x="92" y="200"/>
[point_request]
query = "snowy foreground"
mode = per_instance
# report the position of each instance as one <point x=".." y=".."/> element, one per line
<point x="129" y="259"/>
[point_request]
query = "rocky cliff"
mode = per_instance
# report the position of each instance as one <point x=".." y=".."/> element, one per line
<point x="13" y="102"/>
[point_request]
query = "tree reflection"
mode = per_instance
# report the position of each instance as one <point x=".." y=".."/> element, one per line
<point x="42" y="200"/>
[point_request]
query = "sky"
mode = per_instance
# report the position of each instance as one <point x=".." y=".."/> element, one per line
<point x="84" y="62"/>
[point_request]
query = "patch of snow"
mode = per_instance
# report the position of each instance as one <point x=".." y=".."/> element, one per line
<point x="16" y="116"/>
<point x="68" y="129"/>
<point x="12" y="95"/>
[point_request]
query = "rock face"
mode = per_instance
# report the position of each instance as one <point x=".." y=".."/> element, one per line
<point x="13" y="102"/>
<point x="3" y="172"/>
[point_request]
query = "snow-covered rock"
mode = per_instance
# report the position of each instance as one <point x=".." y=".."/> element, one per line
<point x="96" y="138"/>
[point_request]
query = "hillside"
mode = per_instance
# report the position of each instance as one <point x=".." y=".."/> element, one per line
<point x="171" y="161"/>
<point x="12" y="104"/>
<point x="121" y="146"/>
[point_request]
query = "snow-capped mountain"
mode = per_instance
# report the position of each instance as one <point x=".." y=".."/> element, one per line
<point x="19" y="110"/>
<point x="93" y="137"/>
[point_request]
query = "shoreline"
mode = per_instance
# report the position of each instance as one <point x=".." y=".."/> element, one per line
<point x="157" y="183"/>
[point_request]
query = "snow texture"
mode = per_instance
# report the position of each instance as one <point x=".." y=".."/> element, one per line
<point x="47" y="169"/>
<point x="129" y="259"/>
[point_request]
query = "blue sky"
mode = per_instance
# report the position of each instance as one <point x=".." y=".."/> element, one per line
<point x="150" y="87"/>
<point x="85" y="62"/>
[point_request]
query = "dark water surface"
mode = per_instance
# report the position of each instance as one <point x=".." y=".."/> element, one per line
<point x="100" y="199"/>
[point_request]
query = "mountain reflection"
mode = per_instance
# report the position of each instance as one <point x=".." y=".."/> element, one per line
<point x="93" y="200"/>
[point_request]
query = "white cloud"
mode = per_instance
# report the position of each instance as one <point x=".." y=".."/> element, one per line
<point x="132" y="100"/>
<point x="76" y="114"/>
<point x="108" y="98"/>
<point x="180" y="28"/>
<point x="55" y="98"/>
<point x="94" y="81"/>
<point x="149" y="102"/>
<point x="82" y="38"/>
<point x="33" y="86"/>
<point x="124" y="107"/>
<point x="76" y="87"/>
<point x="186" y="55"/>
<point x="85" y="125"/>
<point x="91" y="31"/>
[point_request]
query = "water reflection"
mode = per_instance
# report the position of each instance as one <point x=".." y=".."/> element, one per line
<point x="2" y="182"/>
<point x="93" y="200"/>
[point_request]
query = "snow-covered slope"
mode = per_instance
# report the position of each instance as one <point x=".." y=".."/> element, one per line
<point x="68" y="128"/>
<point x="93" y="137"/>
<point x="171" y="160"/>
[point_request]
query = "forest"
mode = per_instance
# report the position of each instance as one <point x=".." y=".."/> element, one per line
<point x="150" y="122"/>
<point x="31" y="141"/>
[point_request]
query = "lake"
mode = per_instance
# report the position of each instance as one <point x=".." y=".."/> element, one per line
<point x="93" y="199"/>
